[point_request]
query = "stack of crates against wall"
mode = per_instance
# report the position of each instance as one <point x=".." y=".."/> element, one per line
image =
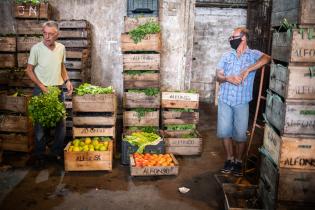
<point x="141" y="76"/>
<point x="180" y="117"/>
<point x="94" y="118"/>
<point x="75" y="35"/>
<point x="289" y="138"/>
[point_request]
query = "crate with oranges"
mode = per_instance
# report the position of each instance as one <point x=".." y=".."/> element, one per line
<point x="153" y="164"/>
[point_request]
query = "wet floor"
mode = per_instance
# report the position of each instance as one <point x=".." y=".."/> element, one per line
<point x="23" y="187"/>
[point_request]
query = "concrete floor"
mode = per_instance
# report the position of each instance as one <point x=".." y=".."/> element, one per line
<point x="22" y="187"/>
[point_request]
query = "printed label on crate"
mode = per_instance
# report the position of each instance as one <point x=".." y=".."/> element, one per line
<point x="89" y="157"/>
<point x="158" y="170"/>
<point x="180" y="96"/>
<point x="30" y="10"/>
<point x="93" y="132"/>
<point x="182" y="142"/>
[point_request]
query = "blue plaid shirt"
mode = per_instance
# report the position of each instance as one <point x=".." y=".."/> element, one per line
<point x="232" y="65"/>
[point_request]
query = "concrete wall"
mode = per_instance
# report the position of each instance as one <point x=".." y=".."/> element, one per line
<point x="213" y="26"/>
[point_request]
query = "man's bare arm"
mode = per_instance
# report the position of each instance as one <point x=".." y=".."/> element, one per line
<point x="221" y="78"/>
<point x="30" y="73"/>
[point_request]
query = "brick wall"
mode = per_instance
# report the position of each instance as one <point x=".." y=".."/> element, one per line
<point x="213" y="26"/>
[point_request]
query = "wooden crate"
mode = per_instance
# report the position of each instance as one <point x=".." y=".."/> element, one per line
<point x="32" y="11"/>
<point x="20" y="79"/>
<point x="82" y="54"/>
<point x="95" y="103"/>
<point x="89" y="161"/>
<point x="7" y="60"/>
<point x="131" y="118"/>
<point x="29" y="27"/>
<point x="177" y="145"/>
<point x="294" y="185"/>
<point x="24" y="44"/>
<point x="283" y="81"/>
<point x="153" y="170"/>
<point x="12" y="123"/>
<point x="151" y="42"/>
<point x="94" y="120"/>
<point x="170" y="117"/>
<point x="140" y="81"/>
<point x="141" y="61"/>
<point x="293" y="48"/>
<point x="17" y="142"/>
<point x="237" y="197"/>
<point x="93" y="131"/>
<point x="180" y="100"/>
<point x="74" y="29"/>
<point x="296" y="12"/>
<point x="140" y="100"/>
<point x="291" y="118"/>
<point x="132" y="23"/>
<point x="7" y="44"/>
<point x="288" y="152"/>
<point x="14" y="103"/>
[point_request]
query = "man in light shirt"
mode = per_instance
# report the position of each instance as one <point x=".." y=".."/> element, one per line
<point x="46" y="68"/>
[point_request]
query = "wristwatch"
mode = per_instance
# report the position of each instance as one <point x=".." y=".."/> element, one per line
<point x="67" y="80"/>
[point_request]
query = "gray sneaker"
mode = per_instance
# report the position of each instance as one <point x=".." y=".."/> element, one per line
<point x="237" y="169"/>
<point x="228" y="167"/>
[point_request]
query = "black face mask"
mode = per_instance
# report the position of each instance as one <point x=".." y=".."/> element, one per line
<point x="235" y="43"/>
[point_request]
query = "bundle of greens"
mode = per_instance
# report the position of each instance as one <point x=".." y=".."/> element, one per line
<point x="142" y="111"/>
<point x="141" y="31"/>
<point x="142" y="139"/>
<point x="181" y="110"/>
<point x="180" y="127"/>
<point x="30" y="1"/>
<point x="147" y="129"/>
<point x="86" y="88"/>
<point x="46" y="109"/>
<point x="147" y="91"/>
<point x="138" y="72"/>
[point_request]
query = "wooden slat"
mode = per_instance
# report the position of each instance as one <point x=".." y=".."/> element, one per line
<point x="153" y="170"/>
<point x="11" y="123"/>
<point x="29" y="27"/>
<point x="73" y="34"/>
<point x="293" y="48"/>
<point x="73" y="65"/>
<point x="292" y="118"/>
<point x="75" y="43"/>
<point x="89" y="161"/>
<point x="180" y="100"/>
<point x="131" y="23"/>
<point x="84" y="132"/>
<point x="41" y="11"/>
<point x="178" y="118"/>
<point x="131" y="118"/>
<point x="140" y="100"/>
<point x="14" y="103"/>
<point x="22" y="59"/>
<point x="4" y="74"/>
<point x="25" y="44"/>
<point x="94" y="120"/>
<point x="16" y="142"/>
<point x="151" y="42"/>
<point x="186" y="151"/>
<point x="141" y="61"/>
<point x="68" y="104"/>
<point x="74" y="75"/>
<point x="148" y="80"/>
<point x="95" y="103"/>
<point x="7" y="44"/>
<point x="20" y="79"/>
<point x="72" y="24"/>
<point x="7" y="60"/>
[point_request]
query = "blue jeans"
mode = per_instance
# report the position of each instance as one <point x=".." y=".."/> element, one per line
<point x="233" y="121"/>
<point x="41" y="133"/>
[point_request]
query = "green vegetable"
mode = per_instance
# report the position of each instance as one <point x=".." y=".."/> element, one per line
<point x="142" y="139"/>
<point x="147" y="91"/>
<point x="186" y="91"/>
<point x="180" y="127"/>
<point x="189" y="135"/>
<point x="31" y="1"/>
<point x="86" y="88"/>
<point x="142" y="111"/>
<point x="147" y="129"/>
<point x="141" y="31"/>
<point x="138" y="72"/>
<point x="46" y="109"/>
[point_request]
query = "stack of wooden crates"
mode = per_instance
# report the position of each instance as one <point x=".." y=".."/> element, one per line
<point x="288" y="164"/>
<point x="138" y="57"/>
<point x="180" y="108"/>
<point x="93" y="116"/>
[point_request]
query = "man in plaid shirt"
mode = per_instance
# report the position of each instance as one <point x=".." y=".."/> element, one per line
<point x="235" y="73"/>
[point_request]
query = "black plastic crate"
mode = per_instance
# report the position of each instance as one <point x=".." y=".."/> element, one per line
<point x="143" y="8"/>
<point x="128" y="149"/>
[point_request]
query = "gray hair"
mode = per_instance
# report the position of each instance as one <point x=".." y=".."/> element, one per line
<point x="51" y="23"/>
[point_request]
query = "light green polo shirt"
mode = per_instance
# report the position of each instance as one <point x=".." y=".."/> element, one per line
<point x="47" y="63"/>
